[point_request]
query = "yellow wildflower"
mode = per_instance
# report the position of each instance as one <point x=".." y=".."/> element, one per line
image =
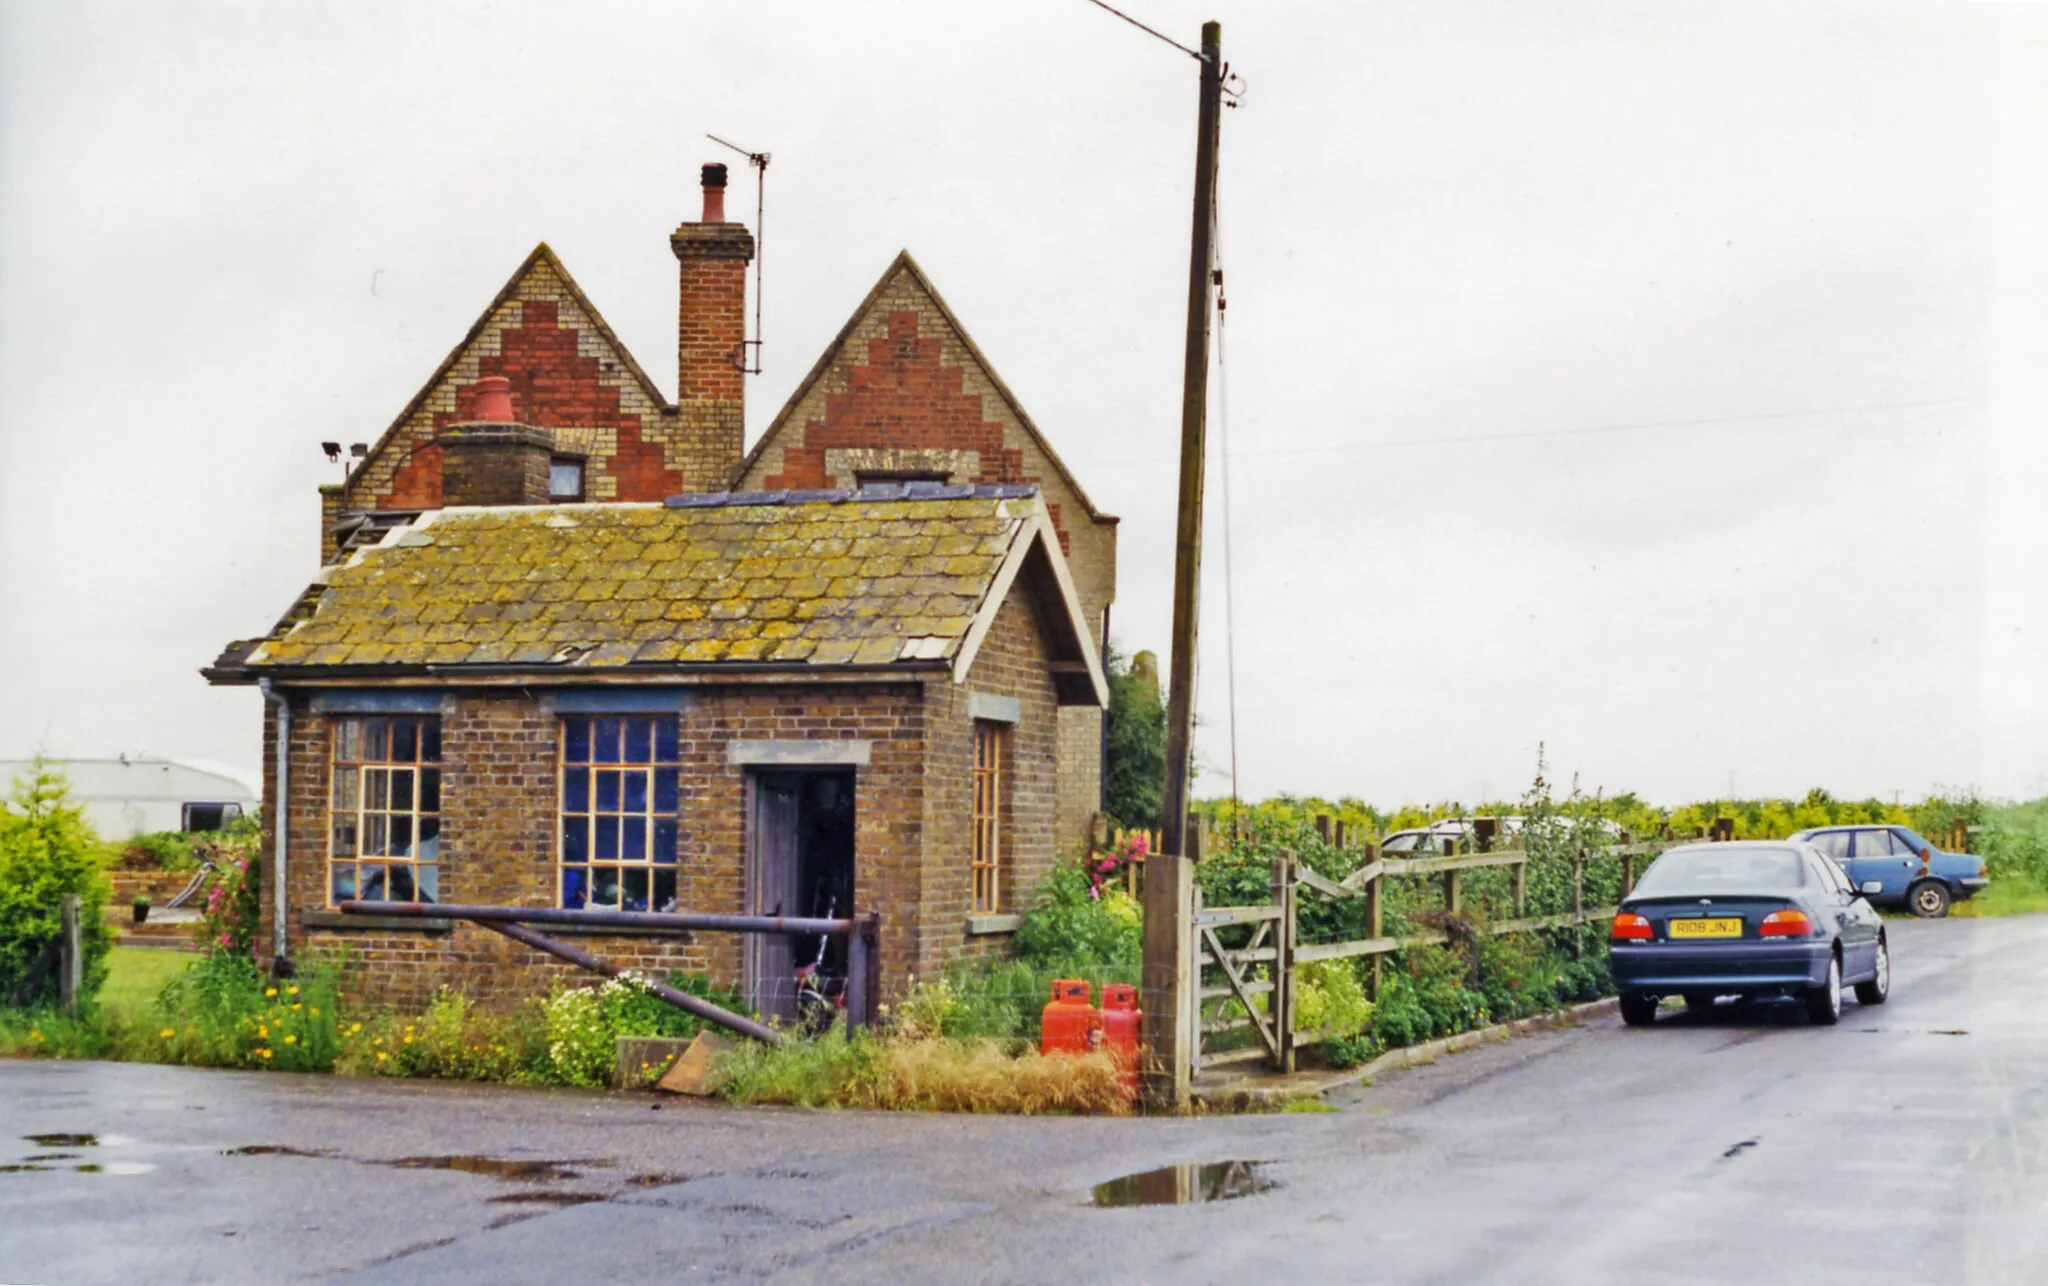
<point x="381" y="1056"/>
<point x="408" y="1040"/>
<point x="262" y="1032"/>
<point x="263" y="1053"/>
<point x="167" y="1033"/>
<point x="291" y="1040"/>
<point x="295" y="1009"/>
<point x="316" y="1012"/>
<point x="270" y="991"/>
<point x="293" y="990"/>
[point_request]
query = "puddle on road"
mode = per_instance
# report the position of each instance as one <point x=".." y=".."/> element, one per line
<point x="45" y="1162"/>
<point x="273" y="1150"/>
<point x="491" y="1167"/>
<point x="1181" y="1185"/>
<point x="495" y="1167"/>
<point x="548" y="1198"/>
<point x="116" y="1167"/>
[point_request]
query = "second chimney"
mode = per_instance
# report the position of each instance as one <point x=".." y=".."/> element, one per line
<point x="711" y="335"/>
<point x="494" y="460"/>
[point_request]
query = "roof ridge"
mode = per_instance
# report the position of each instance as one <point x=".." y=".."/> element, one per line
<point x="871" y="492"/>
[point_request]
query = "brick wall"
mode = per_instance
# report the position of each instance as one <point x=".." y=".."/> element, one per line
<point x="570" y="377"/>
<point x="498" y="818"/>
<point x="1011" y="663"/>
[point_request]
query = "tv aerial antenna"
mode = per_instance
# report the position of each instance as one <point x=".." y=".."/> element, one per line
<point x="748" y="359"/>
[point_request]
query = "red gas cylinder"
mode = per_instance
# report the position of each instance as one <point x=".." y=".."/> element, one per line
<point x="1070" y="1025"/>
<point x="1120" y="1019"/>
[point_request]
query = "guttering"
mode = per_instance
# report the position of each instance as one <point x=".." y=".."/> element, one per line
<point x="709" y="674"/>
<point x="279" y="962"/>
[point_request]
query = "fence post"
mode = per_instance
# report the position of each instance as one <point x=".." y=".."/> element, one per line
<point x="1372" y="930"/>
<point x="1171" y="1029"/>
<point x="70" y="959"/>
<point x="1522" y="888"/>
<point x="1283" y="960"/>
<point x="863" y="971"/>
<point x="1628" y="873"/>
<point x="1579" y="903"/>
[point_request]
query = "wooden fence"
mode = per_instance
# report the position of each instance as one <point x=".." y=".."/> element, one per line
<point x="1253" y="986"/>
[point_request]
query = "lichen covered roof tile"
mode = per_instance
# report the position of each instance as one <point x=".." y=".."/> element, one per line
<point x="874" y="577"/>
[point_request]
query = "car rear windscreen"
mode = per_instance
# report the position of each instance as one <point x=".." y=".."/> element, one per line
<point x="1731" y="868"/>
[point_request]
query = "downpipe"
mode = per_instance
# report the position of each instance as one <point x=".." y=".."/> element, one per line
<point x="280" y="963"/>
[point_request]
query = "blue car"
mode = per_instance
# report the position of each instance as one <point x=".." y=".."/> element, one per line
<point x="1905" y="869"/>
<point x="1756" y="919"/>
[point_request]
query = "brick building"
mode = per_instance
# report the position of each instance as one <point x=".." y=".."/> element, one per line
<point x="568" y="648"/>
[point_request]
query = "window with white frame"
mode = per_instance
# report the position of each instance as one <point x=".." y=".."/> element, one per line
<point x="620" y="804"/>
<point x="384" y="809"/>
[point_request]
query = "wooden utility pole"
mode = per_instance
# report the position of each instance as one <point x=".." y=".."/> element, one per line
<point x="1171" y="1013"/>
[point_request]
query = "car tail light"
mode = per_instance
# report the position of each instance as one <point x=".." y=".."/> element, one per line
<point x="1629" y="925"/>
<point x="1785" y="924"/>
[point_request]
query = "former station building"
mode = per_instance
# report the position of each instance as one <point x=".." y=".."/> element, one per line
<point x="569" y="646"/>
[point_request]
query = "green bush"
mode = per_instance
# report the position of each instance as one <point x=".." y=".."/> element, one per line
<point x="1329" y="999"/>
<point x="162" y="850"/>
<point x="1068" y="928"/>
<point x="46" y="852"/>
<point x="2013" y="841"/>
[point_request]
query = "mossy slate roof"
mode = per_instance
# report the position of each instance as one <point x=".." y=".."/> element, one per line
<point x="874" y="577"/>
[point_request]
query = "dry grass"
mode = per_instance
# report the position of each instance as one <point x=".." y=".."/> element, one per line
<point x="928" y="1075"/>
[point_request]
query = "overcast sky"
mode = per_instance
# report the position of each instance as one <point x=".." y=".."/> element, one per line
<point x="1665" y="383"/>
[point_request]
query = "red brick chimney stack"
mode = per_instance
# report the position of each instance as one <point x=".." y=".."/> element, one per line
<point x="711" y="334"/>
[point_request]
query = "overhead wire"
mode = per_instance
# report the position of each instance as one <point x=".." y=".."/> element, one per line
<point x="1195" y="54"/>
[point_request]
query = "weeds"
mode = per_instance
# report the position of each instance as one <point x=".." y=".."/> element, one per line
<point x="925" y="1074"/>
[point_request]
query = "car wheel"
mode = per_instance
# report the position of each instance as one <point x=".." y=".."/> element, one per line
<point x="1637" y="1009"/>
<point x="1699" y="1004"/>
<point x="1929" y="899"/>
<point x="1824" y="1003"/>
<point x="1880" y="984"/>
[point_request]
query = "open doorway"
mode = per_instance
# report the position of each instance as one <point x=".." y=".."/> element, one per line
<point x="799" y="863"/>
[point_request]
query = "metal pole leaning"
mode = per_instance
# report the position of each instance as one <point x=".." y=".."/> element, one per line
<point x="680" y="999"/>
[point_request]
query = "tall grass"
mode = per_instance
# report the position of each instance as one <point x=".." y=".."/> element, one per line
<point x="931" y="1074"/>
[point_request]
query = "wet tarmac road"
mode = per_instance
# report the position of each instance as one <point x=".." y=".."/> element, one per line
<point x="1910" y="1144"/>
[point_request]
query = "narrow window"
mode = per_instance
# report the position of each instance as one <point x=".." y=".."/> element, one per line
<point x="988" y="808"/>
<point x="621" y="797"/>
<point x="565" y="480"/>
<point x="384" y="810"/>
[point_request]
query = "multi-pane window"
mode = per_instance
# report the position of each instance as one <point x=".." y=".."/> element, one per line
<point x="384" y="837"/>
<point x="988" y="808"/>
<point x="620" y="801"/>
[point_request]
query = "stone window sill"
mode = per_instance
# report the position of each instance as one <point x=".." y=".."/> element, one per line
<point x="381" y="923"/>
<point x="407" y="924"/>
<point x="978" y="924"/>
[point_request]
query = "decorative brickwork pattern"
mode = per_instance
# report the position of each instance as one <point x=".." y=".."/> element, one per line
<point x="570" y="376"/>
<point x="903" y="387"/>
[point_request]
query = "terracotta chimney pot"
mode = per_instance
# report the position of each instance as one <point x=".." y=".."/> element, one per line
<point x="714" y="193"/>
<point x="493" y="400"/>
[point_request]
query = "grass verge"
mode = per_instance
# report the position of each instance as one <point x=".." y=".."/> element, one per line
<point x="2014" y="893"/>
<point x="136" y="975"/>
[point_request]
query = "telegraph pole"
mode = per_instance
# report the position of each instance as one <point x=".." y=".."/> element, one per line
<point x="1169" y="984"/>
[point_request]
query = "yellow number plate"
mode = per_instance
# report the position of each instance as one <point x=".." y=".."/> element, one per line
<point x="1700" y="928"/>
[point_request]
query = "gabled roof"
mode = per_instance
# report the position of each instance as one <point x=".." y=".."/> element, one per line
<point x="891" y="576"/>
<point x="905" y="265"/>
<point x="542" y="256"/>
